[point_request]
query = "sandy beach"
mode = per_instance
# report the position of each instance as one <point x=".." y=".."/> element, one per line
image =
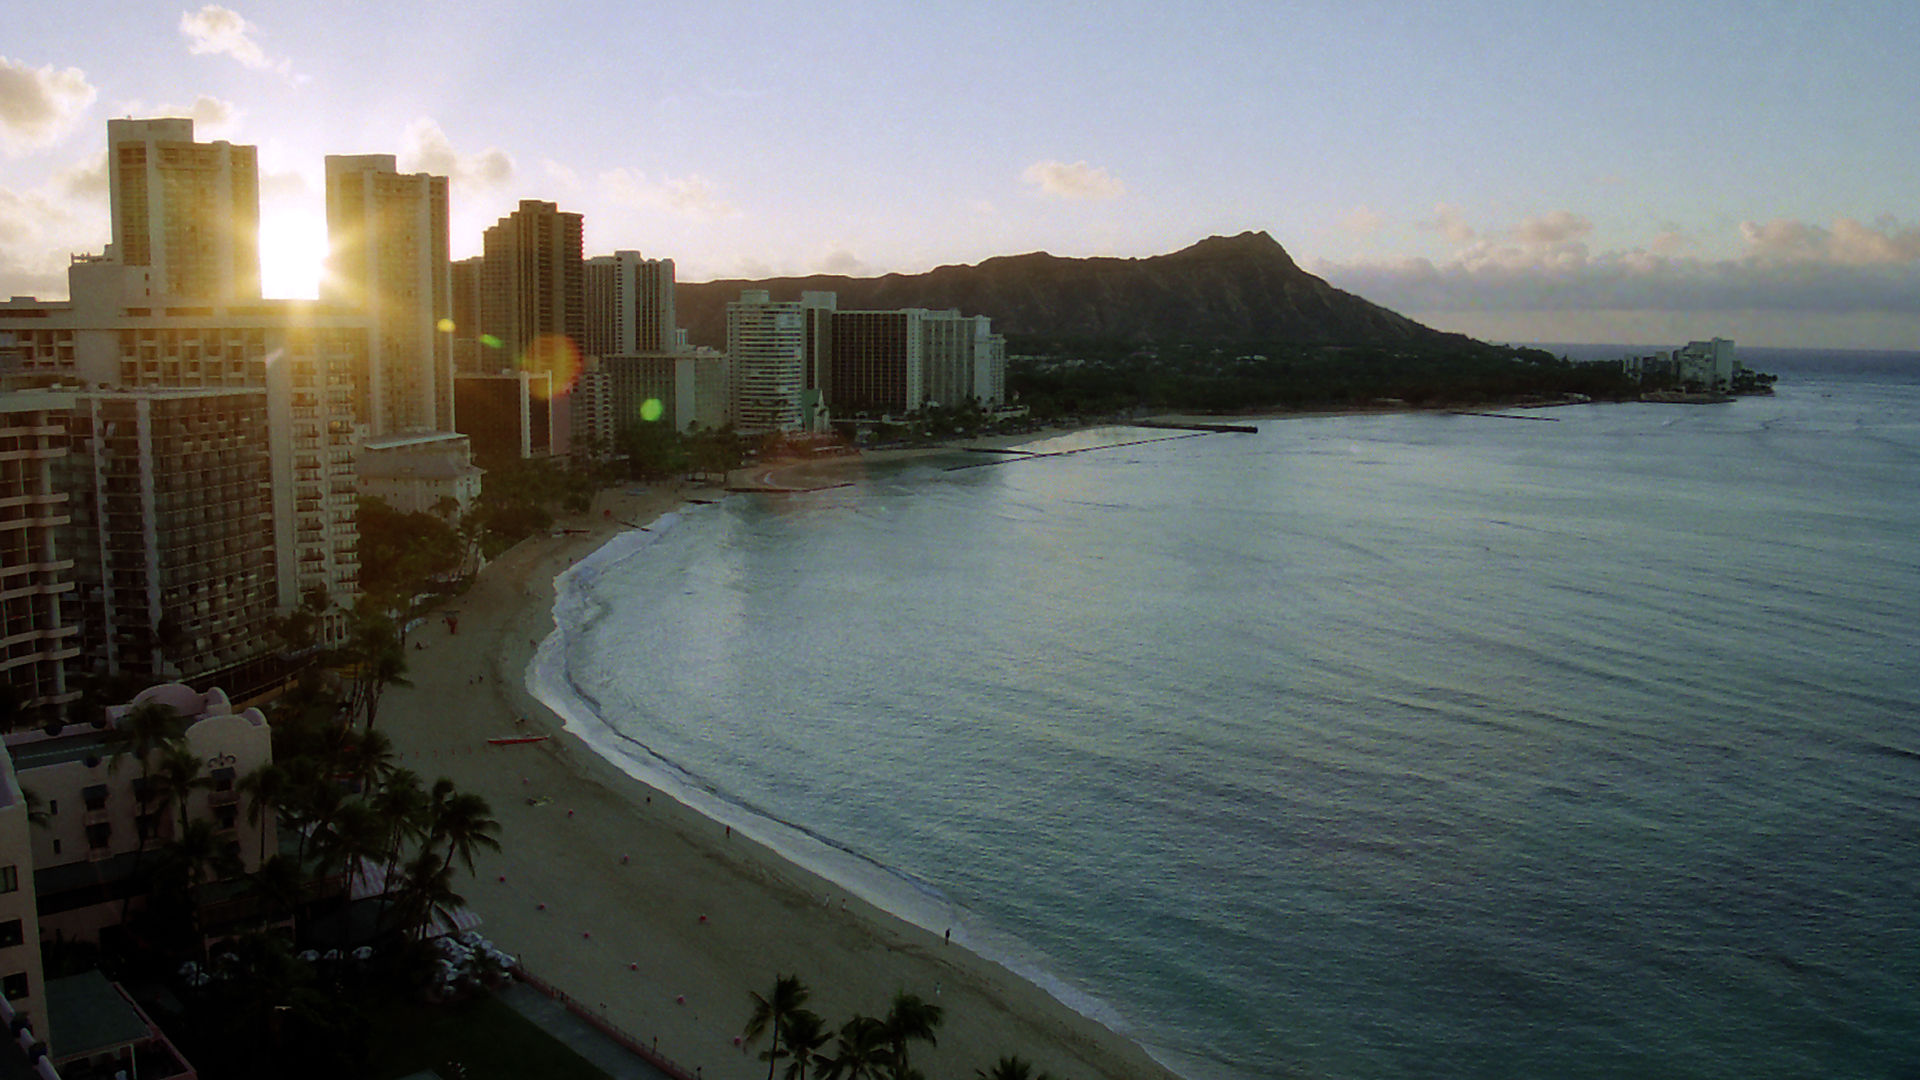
<point x="629" y="901"/>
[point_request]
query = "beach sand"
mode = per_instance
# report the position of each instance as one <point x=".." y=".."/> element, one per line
<point x="653" y="913"/>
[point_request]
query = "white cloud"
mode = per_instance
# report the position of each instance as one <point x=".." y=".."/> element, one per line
<point x="429" y="150"/>
<point x="1847" y="243"/>
<point x="221" y="31"/>
<point x="1079" y="180"/>
<point x="690" y="196"/>
<point x="1362" y="220"/>
<point x="1559" y="227"/>
<point x="212" y="117"/>
<point x="561" y="174"/>
<point x="1449" y="223"/>
<point x="841" y="261"/>
<point x="39" y="106"/>
<point x="1789" y="266"/>
<point x="84" y="179"/>
<point x="35" y="234"/>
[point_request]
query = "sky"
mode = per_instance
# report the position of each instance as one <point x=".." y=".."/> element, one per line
<point x="1537" y="171"/>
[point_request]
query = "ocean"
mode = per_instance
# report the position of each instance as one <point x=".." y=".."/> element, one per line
<point x="1579" y="742"/>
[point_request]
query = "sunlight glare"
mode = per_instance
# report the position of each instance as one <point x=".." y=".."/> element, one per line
<point x="293" y="255"/>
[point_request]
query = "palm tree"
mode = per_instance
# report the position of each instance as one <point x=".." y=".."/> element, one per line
<point x="277" y="886"/>
<point x="354" y="835"/>
<point x="265" y="787"/>
<point x="806" y="1034"/>
<point x="771" y="1014"/>
<point x="428" y="888"/>
<point x="369" y="758"/>
<point x="403" y="809"/>
<point x="177" y="774"/>
<point x="379" y="662"/>
<point x="861" y="1051"/>
<point x="1010" y="1068"/>
<point x="143" y="729"/>
<point x="194" y="857"/>
<point x="466" y="823"/>
<point x="909" y="1019"/>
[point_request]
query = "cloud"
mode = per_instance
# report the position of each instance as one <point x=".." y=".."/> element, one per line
<point x="563" y="175"/>
<point x="211" y="116"/>
<point x="429" y="150"/>
<point x="35" y="234"/>
<point x="220" y="31"/>
<point x="1559" y="227"/>
<point x="39" y="106"/>
<point x="842" y="261"/>
<point x="1847" y="268"/>
<point x="1079" y="180"/>
<point x="689" y="196"/>
<point x="1448" y="222"/>
<point x="84" y="179"/>
<point x="1847" y="243"/>
<point x="1361" y="219"/>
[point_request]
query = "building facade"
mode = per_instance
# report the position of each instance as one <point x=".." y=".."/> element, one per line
<point x="412" y="473"/>
<point x="185" y="212"/>
<point x="388" y="241"/>
<point x="533" y="285"/>
<point x="629" y="305"/>
<point x="39" y="633"/>
<point x="175" y="567"/>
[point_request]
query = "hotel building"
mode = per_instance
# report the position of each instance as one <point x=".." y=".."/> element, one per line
<point x="387" y="233"/>
<point x="186" y="212"/>
<point x="39" y="633"/>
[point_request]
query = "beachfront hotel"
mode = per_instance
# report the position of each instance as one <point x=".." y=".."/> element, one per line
<point x="81" y="847"/>
<point x="387" y="238"/>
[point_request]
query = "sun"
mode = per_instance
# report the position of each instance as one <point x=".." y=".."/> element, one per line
<point x="293" y="254"/>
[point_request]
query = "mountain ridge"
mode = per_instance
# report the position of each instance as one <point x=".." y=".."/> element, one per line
<point x="1224" y="289"/>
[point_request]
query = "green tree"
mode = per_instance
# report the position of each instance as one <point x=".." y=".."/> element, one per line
<point x="909" y="1019"/>
<point x="263" y="787"/>
<point x="178" y="775"/>
<point x="861" y="1051"/>
<point x="806" y="1034"/>
<point x="772" y="1013"/>
<point x="426" y="889"/>
<point x="1010" y="1068"/>
<point x="465" y="824"/>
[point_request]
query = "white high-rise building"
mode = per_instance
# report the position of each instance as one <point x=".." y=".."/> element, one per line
<point x="629" y="305"/>
<point x="766" y="356"/>
<point x="186" y="213"/>
<point x="387" y="234"/>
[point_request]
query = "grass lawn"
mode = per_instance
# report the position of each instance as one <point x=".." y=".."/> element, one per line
<point x="483" y="1034"/>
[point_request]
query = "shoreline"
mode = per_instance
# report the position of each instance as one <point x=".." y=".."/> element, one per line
<point x="652" y="909"/>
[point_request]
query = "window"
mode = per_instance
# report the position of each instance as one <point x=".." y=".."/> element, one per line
<point x="227" y="815"/>
<point x="14" y="986"/>
<point x="11" y="933"/>
<point x="97" y="835"/>
<point x="9" y="879"/>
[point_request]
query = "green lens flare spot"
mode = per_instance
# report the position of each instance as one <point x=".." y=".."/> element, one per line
<point x="651" y="410"/>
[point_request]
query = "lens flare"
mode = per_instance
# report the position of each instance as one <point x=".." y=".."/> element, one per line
<point x="490" y="341"/>
<point x="445" y="326"/>
<point x="651" y="410"/>
<point x="554" y="355"/>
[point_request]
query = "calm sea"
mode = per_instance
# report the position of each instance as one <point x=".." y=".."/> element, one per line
<point x="1582" y="744"/>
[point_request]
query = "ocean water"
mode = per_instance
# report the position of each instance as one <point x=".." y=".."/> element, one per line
<point x="1584" y="744"/>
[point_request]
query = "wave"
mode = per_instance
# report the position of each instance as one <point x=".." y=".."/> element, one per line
<point x="579" y="606"/>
